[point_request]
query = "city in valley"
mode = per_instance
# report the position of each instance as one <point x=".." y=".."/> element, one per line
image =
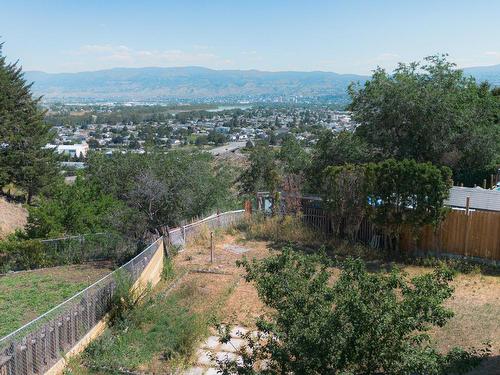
<point x="135" y="127"/>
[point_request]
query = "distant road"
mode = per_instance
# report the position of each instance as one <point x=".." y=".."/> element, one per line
<point x="230" y="147"/>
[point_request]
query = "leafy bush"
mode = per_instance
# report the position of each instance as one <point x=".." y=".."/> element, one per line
<point x="21" y="255"/>
<point x="391" y="193"/>
<point x="160" y="189"/>
<point x="363" y="323"/>
<point x="72" y="209"/>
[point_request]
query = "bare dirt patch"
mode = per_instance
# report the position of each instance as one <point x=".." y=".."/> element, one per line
<point x="243" y="306"/>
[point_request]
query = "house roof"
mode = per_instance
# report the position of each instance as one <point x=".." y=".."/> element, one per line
<point x="480" y="199"/>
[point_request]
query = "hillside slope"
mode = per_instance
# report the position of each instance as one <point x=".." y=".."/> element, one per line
<point x="12" y="216"/>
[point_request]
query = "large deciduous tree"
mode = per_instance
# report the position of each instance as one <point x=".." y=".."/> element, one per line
<point x="79" y="208"/>
<point x="263" y="172"/>
<point x="333" y="150"/>
<point x="293" y="156"/>
<point x="161" y="189"/>
<point x="431" y="112"/>
<point x="24" y="159"/>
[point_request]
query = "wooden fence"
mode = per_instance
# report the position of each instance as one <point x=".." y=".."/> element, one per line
<point x="476" y="234"/>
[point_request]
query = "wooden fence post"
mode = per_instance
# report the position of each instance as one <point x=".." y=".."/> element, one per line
<point x="248" y="207"/>
<point x="467" y="226"/>
<point x="211" y="247"/>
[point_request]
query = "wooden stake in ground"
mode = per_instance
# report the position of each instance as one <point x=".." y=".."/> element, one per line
<point x="211" y="247"/>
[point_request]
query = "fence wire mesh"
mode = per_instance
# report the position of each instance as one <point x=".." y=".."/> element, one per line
<point x="38" y="345"/>
<point x="66" y="250"/>
<point x="179" y="236"/>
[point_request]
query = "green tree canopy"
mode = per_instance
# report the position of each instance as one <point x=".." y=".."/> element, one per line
<point x="80" y="208"/>
<point x="24" y="159"/>
<point x="263" y="173"/>
<point x="293" y="156"/>
<point x="430" y="112"/>
<point x="336" y="149"/>
<point x="161" y="188"/>
<point x="391" y="193"/>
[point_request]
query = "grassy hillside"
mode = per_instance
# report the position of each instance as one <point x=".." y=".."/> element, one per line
<point x="12" y="216"/>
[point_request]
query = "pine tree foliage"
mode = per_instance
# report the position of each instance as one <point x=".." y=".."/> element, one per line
<point x="24" y="160"/>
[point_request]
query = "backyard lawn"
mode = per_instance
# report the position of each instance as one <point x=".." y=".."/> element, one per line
<point x="26" y="295"/>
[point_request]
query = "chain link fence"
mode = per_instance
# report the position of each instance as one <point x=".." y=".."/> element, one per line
<point x="179" y="236"/>
<point x="33" y="254"/>
<point x="38" y="345"/>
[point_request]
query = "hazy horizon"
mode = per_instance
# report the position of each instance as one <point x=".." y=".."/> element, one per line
<point x="229" y="69"/>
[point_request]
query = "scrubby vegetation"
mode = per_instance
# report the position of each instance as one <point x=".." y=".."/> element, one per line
<point x="160" y="333"/>
<point x="280" y="229"/>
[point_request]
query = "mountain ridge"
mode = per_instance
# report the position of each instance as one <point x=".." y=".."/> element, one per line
<point x="194" y="82"/>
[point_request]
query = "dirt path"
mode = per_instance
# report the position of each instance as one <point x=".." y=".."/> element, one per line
<point x="243" y="305"/>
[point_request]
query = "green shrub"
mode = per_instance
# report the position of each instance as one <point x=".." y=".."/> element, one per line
<point x="363" y="323"/>
<point x="280" y="229"/>
<point x="125" y="298"/>
<point x="168" y="271"/>
<point x="21" y="255"/>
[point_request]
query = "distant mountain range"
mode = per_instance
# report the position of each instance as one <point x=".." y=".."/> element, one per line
<point x="197" y="82"/>
<point x="485" y="73"/>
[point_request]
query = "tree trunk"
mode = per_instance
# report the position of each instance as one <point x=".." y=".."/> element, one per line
<point x="29" y="197"/>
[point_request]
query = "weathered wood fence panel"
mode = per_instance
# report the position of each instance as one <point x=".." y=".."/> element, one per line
<point x="476" y="234"/>
<point x="472" y="234"/>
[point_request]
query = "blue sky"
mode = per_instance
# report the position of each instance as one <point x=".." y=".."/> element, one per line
<point x="342" y="36"/>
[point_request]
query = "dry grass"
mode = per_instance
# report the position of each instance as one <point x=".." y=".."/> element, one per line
<point x="476" y="302"/>
<point x="243" y="305"/>
<point x="280" y="229"/>
<point x="12" y="216"/>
